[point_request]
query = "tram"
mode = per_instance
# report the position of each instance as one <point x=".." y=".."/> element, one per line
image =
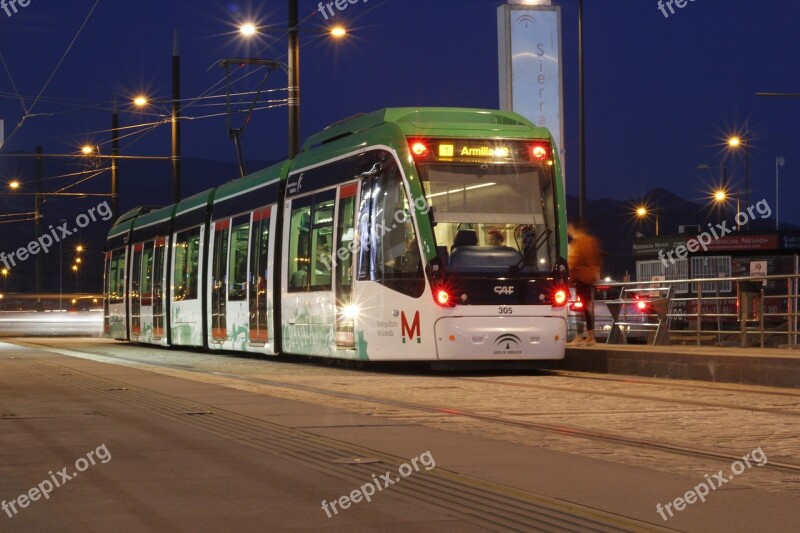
<point x="402" y="234"/>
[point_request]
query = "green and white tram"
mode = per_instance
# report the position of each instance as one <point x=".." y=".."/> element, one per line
<point x="403" y="234"/>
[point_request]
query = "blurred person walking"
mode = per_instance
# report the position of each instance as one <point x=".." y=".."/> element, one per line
<point x="584" y="270"/>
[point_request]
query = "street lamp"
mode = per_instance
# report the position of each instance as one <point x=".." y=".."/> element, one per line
<point x="734" y="143"/>
<point x="13" y="185"/>
<point x="722" y="196"/>
<point x="779" y="162"/>
<point x="644" y="212"/>
<point x="248" y="29"/>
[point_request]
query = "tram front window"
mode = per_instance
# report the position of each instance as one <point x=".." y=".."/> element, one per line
<point x="491" y="217"/>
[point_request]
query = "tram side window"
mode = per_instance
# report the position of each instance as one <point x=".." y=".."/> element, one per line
<point x="299" y="248"/>
<point x="116" y="277"/>
<point x="321" y="242"/>
<point x="394" y="257"/>
<point x="310" y="242"/>
<point x="259" y="238"/>
<point x="158" y="273"/>
<point x="187" y="260"/>
<point x="345" y="231"/>
<point x="147" y="274"/>
<point x="237" y="268"/>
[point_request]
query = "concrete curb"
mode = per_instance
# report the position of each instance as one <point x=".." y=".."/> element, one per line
<point x="767" y="369"/>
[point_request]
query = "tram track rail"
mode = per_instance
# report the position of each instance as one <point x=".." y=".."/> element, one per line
<point x="632" y="396"/>
<point x="559" y="429"/>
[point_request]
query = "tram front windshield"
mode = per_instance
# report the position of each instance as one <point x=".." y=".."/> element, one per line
<point x="489" y="217"/>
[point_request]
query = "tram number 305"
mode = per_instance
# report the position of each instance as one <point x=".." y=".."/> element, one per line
<point x="505" y="310"/>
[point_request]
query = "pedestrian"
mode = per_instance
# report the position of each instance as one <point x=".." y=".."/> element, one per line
<point x="584" y="271"/>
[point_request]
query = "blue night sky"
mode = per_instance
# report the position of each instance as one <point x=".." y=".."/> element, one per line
<point x="661" y="93"/>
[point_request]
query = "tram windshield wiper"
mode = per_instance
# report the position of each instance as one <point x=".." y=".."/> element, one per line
<point x="514" y="270"/>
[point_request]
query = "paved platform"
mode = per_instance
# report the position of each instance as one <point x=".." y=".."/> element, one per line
<point x="146" y="451"/>
<point x="753" y="366"/>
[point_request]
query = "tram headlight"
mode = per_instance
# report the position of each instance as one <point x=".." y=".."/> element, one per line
<point x="350" y="312"/>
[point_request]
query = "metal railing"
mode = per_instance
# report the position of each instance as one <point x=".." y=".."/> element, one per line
<point x="746" y="311"/>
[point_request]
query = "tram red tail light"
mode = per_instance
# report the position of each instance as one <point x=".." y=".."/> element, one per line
<point x="577" y="305"/>
<point x="642" y="306"/>
<point x="443" y="297"/>
<point x="540" y="150"/>
<point x="419" y="150"/>
<point x="560" y="297"/>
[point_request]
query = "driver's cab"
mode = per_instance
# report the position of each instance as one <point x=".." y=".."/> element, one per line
<point x="483" y="248"/>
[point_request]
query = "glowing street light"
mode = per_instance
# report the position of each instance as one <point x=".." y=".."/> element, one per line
<point x="79" y="248"/>
<point x="643" y="212"/>
<point x="13" y="185"/>
<point x="140" y="101"/>
<point x="338" y="32"/>
<point x="87" y="149"/>
<point x="248" y="29"/>
<point x="722" y="196"/>
<point x="733" y="142"/>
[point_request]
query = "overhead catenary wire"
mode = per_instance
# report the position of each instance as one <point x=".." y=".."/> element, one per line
<point x="52" y="75"/>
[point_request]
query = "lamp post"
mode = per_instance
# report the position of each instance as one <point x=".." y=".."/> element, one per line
<point x="60" y="272"/>
<point x="76" y="267"/>
<point x="644" y="212"/>
<point x="735" y="142"/>
<point x="293" y="59"/>
<point x="779" y="162"/>
<point x="581" y="122"/>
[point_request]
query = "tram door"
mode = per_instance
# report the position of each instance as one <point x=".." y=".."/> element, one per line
<point x="319" y="271"/>
<point x="144" y="293"/>
<point x="260" y="277"/>
<point x="135" y="292"/>
<point x="158" y="284"/>
<point x="229" y="281"/>
<point x="219" y="287"/>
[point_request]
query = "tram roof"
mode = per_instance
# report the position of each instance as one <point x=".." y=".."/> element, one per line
<point x="434" y="121"/>
<point x="263" y="176"/>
